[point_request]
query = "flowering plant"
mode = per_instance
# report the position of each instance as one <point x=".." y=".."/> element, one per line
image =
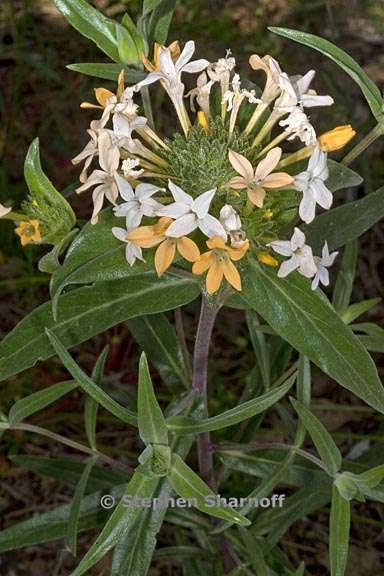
<point x="233" y="204"/>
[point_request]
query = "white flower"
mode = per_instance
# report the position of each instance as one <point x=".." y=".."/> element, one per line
<point x="169" y="71"/>
<point x="297" y="125"/>
<point x="130" y="170"/>
<point x="229" y="218"/>
<point x="311" y="184"/>
<point x="132" y="251"/>
<point x="300" y="255"/>
<point x="125" y="117"/>
<point x="273" y="71"/>
<point x="322" y="274"/>
<point x="4" y="210"/>
<point x="109" y="159"/>
<point x="201" y="93"/>
<point x="296" y="92"/>
<point x="190" y="213"/>
<point x="138" y="202"/>
<point x="91" y="149"/>
<point x="235" y="96"/>
<point x="221" y="69"/>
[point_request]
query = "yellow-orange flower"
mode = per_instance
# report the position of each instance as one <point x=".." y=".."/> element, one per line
<point x="29" y="231"/>
<point x="155" y="235"/>
<point x="336" y="138"/>
<point x="218" y="262"/>
<point x="105" y="97"/>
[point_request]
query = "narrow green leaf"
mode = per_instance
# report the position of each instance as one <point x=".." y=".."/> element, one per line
<point x="371" y="478"/>
<point x="160" y="21"/>
<point x="303" y="386"/>
<point x="50" y="261"/>
<point x="37" y="401"/>
<point x="260" y="347"/>
<point x="345" y="223"/>
<point x="151" y="422"/>
<point x="355" y="310"/>
<point x="91" y="24"/>
<point x="73" y="522"/>
<point x="88" y="311"/>
<point x="157" y="337"/>
<point x="107" y="71"/>
<point x="87" y="384"/>
<point x="182" y="425"/>
<point x="306" y="320"/>
<point x="345" y="278"/>
<point x="119" y="523"/>
<point x="254" y="552"/>
<point x="345" y="61"/>
<point x="190" y="486"/>
<point x="326" y="447"/>
<point x="91" y="406"/>
<point x="339" y="525"/>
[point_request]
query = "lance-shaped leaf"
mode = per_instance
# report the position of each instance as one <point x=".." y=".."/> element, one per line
<point x="358" y="308"/>
<point x="151" y="422"/>
<point x="191" y="487"/>
<point x="345" y="61"/>
<point x="345" y="223"/>
<point x="88" y="385"/>
<point x="345" y="278"/>
<point x="326" y="447"/>
<point x="341" y="176"/>
<point x="183" y="425"/>
<point x="88" y="311"/>
<point x="74" y="515"/>
<point x="339" y="525"/>
<point x="107" y="71"/>
<point x="120" y="521"/>
<point x="33" y="403"/>
<point x="306" y="320"/>
<point x="91" y="24"/>
<point x="91" y="406"/>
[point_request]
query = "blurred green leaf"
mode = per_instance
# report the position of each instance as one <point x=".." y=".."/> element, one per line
<point x="87" y="384"/>
<point x="340" y="176"/>
<point x="74" y="515"/>
<point x="91" y="406"/>
<point x="355" y="310"/>
<point x="159" y="21"/>
<point x="304" y="389"/>
<point x="108" y="71"/>
<point x="184" y="425"/>
<point x="345" y="223"/>
<point x="326" y="447"/>
<point x="339" y="533"/>
<point x="345" y="61"/>
<point x="91" y="24"/>
<point x="344" y="282"/>
<point x="151" y="422"/>
<point x="307" y="321"/>
<point x="190" y="486"/>
<point x="37" y="401"/>
<point x="260" y="347"/>
<point x="88" y="311"/>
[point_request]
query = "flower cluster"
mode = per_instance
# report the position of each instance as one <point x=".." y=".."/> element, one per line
<point x="223" y="181"/>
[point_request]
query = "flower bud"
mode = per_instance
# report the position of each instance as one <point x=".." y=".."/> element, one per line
<point x="336" y="138"/>
<point x="229" y="218"/>
<point x="202" y="120"/>
<point x="268" y="259"/>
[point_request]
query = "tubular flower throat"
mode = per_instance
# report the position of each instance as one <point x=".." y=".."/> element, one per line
<point x="218" y="178"/>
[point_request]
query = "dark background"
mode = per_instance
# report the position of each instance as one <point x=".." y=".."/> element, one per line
<point x="40" y="97"/>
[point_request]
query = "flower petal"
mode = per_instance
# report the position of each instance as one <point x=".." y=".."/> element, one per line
<point x="282" y="247"/>
<point x="238" y="183"/>
<point x="232" y="274"/>
<point x="179" y="194"/>
<point x="202" y="203"/>
<point x="322" y="195"/>
<point x="196" y="66"/>
<point x="165" y="255"/>
<point x="188" y="249"/>
<point x="175" y="210"/>
<point x="298" y="239"/>
<point x="182" y="226"/>
<point x="143" y="190"/>
<point x="256" y="196"/>
<point x="241" y="164"/>
<point x="210" y="226"/>
<point x="214" y="277"/>
<point x="119" y="233"/>
<point x="269" y="163"/>
<point x="277" y="180"/>
<point x="98" y="199"/>
<point x="185" y="55"/>
<point x="307" y="208"/>
<point x="125" y="189"/>
<point x="288" y="266"/>
<point x="203" y="264"/>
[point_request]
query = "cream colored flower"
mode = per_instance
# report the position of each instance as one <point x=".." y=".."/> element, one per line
<point x="91" y="149"/>
<point x="219" y="263"/>
<point x="258" y="179"/>
<point x="4" y="211"/>
<point x="201" y="94"/>
<point x="272" y="69"/>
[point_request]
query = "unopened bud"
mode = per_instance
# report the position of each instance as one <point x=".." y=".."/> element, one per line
<point x="336" y="138"/>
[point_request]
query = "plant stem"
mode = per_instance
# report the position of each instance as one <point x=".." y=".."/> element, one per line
<point x="199" y="382"/>
<point x="147" y="106"/>
<point x="375" y="133"/>
<point x="71" y="444"/>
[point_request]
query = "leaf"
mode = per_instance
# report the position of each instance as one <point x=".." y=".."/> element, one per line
<point x="339" y="533"/>
<point x="37" y="401"/>
<point x="91" y="406"/>
<point x="69" y="471"/>
<point x="306" y="320"/>
<point x="160" y="21"/>
<point x="87" y="384"/>
<point x="345" y="278"/>
<point x="371" y="478"/>
<point x="355" y="310"/>
<point x="326" y="447"/>
<point x="190" y="486"/>
<point x="260" y="347"/>
<point x="157" y="337"/>
<point x="50" y="261"/>
<point x="304" y="392"/>
<point x="73" y="522"/>
<point x="151" y="422"/>
<point x="88" y="311"/>
<point x="345" y="223"/>
<point x="91" y="24"/>
<point x="183" y="425"/>
<point x="95" y="255"/>
<point x="340" y="176"/>
<point x="119" y="523"/>
<point x="345" y="61"/>
<point x="108" y="71"/>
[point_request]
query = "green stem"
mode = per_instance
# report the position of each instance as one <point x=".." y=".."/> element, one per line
<point x="373" y="135"/>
